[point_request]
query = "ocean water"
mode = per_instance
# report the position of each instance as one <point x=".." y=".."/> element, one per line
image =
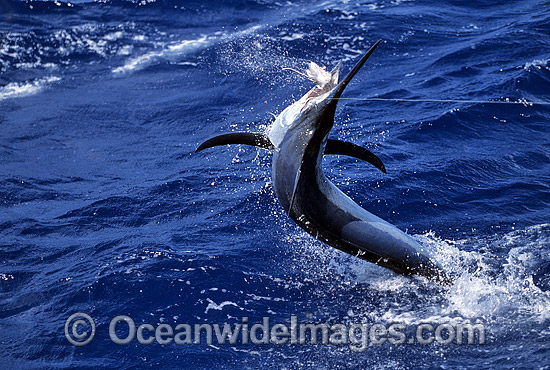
<point x="105" y="208"/>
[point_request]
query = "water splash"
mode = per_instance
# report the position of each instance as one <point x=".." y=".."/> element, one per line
<point x="18" y="90"/>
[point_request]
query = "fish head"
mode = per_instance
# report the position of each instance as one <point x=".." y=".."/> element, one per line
<point x="313" y="114"/>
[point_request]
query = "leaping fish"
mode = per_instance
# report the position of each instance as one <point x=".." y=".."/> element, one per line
<point x="299" y="139"/>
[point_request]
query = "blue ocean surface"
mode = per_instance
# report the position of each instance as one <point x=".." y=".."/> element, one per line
<point x="105" y="208"/>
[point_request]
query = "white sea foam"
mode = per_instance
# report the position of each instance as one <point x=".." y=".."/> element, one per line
<point x="20" y="50"/>
<point x="293" y="36"/>
<point x="174" y="52"/>
<point x="214" y="306"/>
<point x="537" y="63"/>
<point x="18" y="90"/>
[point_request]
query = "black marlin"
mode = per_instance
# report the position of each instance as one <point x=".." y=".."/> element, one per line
<point x="299" y="139"/>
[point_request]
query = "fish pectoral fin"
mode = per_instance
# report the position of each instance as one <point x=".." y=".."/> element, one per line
<point x="344" y="148"/>
<point x="247" y="138"/>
